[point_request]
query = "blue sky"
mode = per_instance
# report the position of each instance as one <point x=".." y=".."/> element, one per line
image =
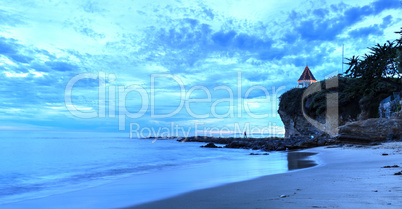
<point x="203" y="44"/>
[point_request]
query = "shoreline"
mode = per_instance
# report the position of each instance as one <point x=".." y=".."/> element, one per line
<point x="168" y="182"/>
<point x="264" y="144"/>
<point x="347" y="177"/>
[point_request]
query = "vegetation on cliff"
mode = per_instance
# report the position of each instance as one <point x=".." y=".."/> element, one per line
<point x="379" y="73"/>
<point x="315" y="104"/>
<point x="367" y="82"/>
<point x="381" y="65"/>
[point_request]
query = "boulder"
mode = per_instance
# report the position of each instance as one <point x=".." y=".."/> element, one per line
<point x="371" y="130"/>
<point x="211" y="145"/>
<point x="397" y="115"/>
<point x="321" y="142"/>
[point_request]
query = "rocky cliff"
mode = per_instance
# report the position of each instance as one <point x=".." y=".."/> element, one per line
<point x="339" y="95"/>
<point x="355" y="117"/>
<point x="293" y="114"/>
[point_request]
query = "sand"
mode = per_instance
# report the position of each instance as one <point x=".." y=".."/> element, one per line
<point x="347" y="177"/>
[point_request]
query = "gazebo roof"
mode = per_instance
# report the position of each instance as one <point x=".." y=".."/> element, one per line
<point x="306" y="75"/>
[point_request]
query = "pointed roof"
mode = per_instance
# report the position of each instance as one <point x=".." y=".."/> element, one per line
<point x="306" y="75"/>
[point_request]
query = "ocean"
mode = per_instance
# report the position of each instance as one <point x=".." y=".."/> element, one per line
<point x="44" y="168"/>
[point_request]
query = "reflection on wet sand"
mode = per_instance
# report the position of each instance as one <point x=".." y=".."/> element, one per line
<point x="297" y="160"/>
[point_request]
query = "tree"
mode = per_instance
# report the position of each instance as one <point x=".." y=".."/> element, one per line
<point x="381" y="64"/>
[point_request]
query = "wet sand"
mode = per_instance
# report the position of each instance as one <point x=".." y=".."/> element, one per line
<point x="347" y="177"/>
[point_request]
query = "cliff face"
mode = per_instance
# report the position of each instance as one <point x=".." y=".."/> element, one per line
<point x="291" y="114"/>
<point x="352" y="107"/>
<point x="296" y="124"/>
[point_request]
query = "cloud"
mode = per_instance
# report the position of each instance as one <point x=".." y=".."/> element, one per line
<point x="366" y="31"/>
<point x="8" y="46"/>
<point x="92" y="6"/>
<point x="386" y="21"/>
<point x="9" y="19"/>
<point x="204" y="44"/>
<point x="320" y="13"/>
<point x="223" y="38"/>
<point x="16" y="52"/>
<point x="252" y="43"/>
<point x="61" y="66"/>
<point x="91" y="33"/>
<point x="373" y="30"/>
<point x="381" y="5"/>
<point x="328" y="27"/>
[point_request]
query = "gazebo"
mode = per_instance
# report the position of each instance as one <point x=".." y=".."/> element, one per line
<point x="306" y="78"/>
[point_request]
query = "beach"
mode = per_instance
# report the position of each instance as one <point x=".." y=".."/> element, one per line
<point x="346" y="177"/>
<point x="342" y="176"/>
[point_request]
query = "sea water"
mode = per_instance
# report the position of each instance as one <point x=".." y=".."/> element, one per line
<point x="44" y="168"/>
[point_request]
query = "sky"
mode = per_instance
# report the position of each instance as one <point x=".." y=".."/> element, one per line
<point x="184" y="66"/>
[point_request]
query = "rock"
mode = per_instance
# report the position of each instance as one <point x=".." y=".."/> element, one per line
<point x="297" y="125"/>
<point x="333" y="146"/>
<point x="355" y="121"/>
<point x="237" y="144"/>
<point x="293" y="111"/>
<point x="394" y="166"/>
<point x="399" y="173"/>
<point x="258" y="153"/>
<point x="280" y="148"/>
<point x="283" y="196"/>
<point x="264" y="144"/>
<point x="211" y="145"/>
<point x="384" y="154"/>
<point x="321" y="142"/>
<point x="370" y="130"/>
<point x="392" y="136"/>
<point x="397" y="115"/>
